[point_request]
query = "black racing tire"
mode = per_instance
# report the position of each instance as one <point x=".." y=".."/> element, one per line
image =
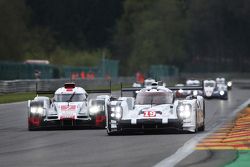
<point x="196" y="125"/>
<point x="31" y="127"/>
<point x="202" y="128"/>
<point x="112" y="133"/>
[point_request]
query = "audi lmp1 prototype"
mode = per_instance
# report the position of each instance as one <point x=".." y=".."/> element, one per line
<point x="155" y="108"/>
<point x="69" y="107"/>
<point x="215" y="89"/>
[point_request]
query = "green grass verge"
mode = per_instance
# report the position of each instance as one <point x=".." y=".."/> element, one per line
<point x="16" y="97"/>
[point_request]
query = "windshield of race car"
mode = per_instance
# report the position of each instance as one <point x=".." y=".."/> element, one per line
<point x="209" y="84"/>
<point x="157" y="98"/>
<point x="71" y="97"/>
<point x="98" y="102"/>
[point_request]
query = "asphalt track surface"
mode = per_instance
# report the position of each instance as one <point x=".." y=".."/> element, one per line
<point x="93" y="148"/>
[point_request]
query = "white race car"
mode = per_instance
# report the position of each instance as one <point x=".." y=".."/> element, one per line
<point x="69" y="107"/>
<point x="155" y="108"/>
<point x="215" y="89"/>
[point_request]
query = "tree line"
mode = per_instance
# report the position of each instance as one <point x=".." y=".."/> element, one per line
<point x="194" y="35"/>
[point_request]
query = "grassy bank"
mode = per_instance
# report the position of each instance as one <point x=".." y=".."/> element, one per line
<point x="16" y="97"/>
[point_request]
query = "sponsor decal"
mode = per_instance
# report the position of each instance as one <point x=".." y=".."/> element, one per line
<point x="68" y="107"/>
<point x="68" y="111"/>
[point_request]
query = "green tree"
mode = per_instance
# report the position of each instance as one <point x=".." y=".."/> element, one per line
<point x="153" y="32"/>
<point x="13" y="30"/>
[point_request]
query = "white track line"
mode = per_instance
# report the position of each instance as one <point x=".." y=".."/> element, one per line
<point x="189" y="146"/>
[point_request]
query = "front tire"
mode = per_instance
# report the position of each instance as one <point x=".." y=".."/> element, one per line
<point x="202" y="128"/>
<point x="32" y="127"/>
<point x="113" y="133"/>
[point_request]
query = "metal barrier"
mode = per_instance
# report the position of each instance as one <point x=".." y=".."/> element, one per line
<point x="11" y="86"/>
<point x="53" y="84"/>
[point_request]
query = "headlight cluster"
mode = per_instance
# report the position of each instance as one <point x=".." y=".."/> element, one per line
<point x="184" y="110"/>
<point x="229" y="83"/>
<point x="116" y="112"/>
<point x="36" y="110"/>
<point x="195" y="92"/>
<point x="180" y="91"/>
<point x="222" y="92"/>
<point x="95" y="109"/>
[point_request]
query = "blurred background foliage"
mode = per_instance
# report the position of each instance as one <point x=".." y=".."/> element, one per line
<point x="194" y="35"/>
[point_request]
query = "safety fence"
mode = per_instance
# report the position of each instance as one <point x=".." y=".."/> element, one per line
<point x="9" y="86"/>
<point x="16" y="70"/>
<point x="13" y="86"/>
<point x="161" y="71"/>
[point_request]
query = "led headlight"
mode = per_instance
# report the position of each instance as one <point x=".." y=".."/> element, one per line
<point x="118" y="115"/>
<point x="118" y="109"/>
<point x="112" y="115"/>
<point x="94" y="110"/>
<point x="36" y="110"/>
<point x="229" y="83"/>
<point x="222" y="92"/>
<point x="116" y="112"/>
<point x="195" y="92"/>
<point x="184" y="111"/>
<point x="180" y="91"/>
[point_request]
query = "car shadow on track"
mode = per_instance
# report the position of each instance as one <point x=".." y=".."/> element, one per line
<point x="155" y="132"/>
<point x="66" y="128"/>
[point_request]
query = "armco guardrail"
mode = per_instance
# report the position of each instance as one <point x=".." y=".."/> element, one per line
<point x="242" y="83"/>
<point x="235" y="76"/>
<point x="52" y="84"/>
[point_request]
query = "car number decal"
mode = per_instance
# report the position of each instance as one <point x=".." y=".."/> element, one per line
<point x="68" y="108"/>
<point x="149" y="114"/>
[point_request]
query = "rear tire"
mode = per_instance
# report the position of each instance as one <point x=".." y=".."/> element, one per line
<point x="202" y="128"/>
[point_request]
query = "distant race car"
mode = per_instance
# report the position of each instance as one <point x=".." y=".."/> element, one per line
<point x="221" y="87"/>
<point x="147" y="82"/>
<point x="155" y="108"/>
<point x="68" y="108"/>
<point x="190" y="83"/>
<point x="229" y="85"/>
<point x="213" y="89"/>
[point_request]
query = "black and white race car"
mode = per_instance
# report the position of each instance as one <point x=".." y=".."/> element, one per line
<point x="155" y="108"/>
<point x="215" y="89"/>
<point x="70" y="107"/>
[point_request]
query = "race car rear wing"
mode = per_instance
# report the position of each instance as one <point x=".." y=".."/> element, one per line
<point x="39" y="92"/>
<point x="173" y="88"/>
<point x="129" y="89"/>
<point x="108" y="90"/>
<point x="100" y="90"/>
<point x="185" y="88"/>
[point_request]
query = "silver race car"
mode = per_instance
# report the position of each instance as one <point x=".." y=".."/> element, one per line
<point x="155" y="108"/>
<point x="69" y="107"/>
<point x="189" y="83"/>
